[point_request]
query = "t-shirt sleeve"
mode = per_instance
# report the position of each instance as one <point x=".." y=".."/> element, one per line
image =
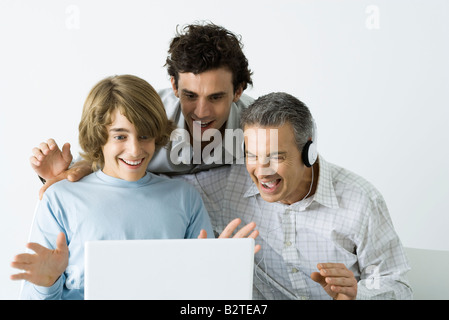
<point x="199" y="218"/>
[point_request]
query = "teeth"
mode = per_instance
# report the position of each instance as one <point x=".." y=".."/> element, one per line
<point x="202" y="123"/>
<point x="269" y="184"/>
<point x="132" y="163"/>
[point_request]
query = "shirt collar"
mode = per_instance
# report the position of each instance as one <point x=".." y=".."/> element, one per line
<point x="325" y="192"/>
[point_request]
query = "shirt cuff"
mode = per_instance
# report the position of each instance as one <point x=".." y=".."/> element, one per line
<point x="53" y="289"/>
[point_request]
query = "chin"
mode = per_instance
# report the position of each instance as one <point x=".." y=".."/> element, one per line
<point x="269" y="198"/>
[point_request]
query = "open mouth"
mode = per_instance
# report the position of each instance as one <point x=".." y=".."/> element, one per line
<point x="132" y="163"/>
<point x="203" y="124"/>
<point x="270" y="186"/>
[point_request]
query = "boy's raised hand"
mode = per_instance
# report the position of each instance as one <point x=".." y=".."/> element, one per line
<point x="245" y="232"/>
<point x="45" y="266"/>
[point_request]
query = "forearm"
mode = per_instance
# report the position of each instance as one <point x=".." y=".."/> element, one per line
<point x="382" y="260"/>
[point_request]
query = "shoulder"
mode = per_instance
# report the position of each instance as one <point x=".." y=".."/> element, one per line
<point x="172" y="184"/>
<point x="65" y="189"/>
<point x="244" y="101"/>
<point x="352" y="190"/>
<point x="66" y="185"/>
<point x="358" y="199"/>
<point x="236" y="110"/>
<point x="351" y="181"/>
<point x="169" y="100"/>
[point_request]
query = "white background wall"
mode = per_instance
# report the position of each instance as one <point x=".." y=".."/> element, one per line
<point x="375" y="75"/>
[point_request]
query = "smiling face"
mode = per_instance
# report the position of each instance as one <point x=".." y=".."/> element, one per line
<point x="126" y="154"/>
<point x="206" y="98"/>
<point x="276" y="167"/>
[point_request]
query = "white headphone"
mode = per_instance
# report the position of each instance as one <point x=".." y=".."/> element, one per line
<point x="310" y="152"/>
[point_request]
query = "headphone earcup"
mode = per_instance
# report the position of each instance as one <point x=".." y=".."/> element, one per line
<point x="309" y="153"/>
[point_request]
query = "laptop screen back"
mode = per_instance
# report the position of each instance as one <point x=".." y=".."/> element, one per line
<point x="184" y="269"/>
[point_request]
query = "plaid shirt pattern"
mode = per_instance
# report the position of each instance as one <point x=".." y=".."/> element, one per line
<point x="345" y="221"/>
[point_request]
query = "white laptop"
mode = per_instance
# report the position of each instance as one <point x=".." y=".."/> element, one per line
<point x="184" y="269"/>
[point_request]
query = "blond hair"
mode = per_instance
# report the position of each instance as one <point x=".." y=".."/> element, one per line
<point x="136" y="99"/>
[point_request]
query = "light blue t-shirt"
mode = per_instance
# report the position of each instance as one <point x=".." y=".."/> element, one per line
<point x="100" y="207"/>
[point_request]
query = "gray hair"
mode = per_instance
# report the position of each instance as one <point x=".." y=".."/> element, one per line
<point x="277" y="108"/>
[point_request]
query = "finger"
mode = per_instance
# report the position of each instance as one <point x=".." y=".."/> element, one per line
<point x="336" y="272"/>
<point x="37" y="153"/>
<point x="328" y="269"/>
<point x="203" y="234"/>
<point x="345" y="293"/>
<point x="34" y="162"/>
<point x="36" y="247"/>
<point x="20" y="276"/>
<point x="76" y="173"/>
<point x="329" y="265"/>
<point x="340" y="281"/>
<point x="21" y="266"/>
<point x="61" y="243"/>
<point x="317" y="277"/>
<point x="227" y="232"/>
<point x="254" y="234"/>
<point x="243" y="232"/>
<point x="51" y="144"/>
<point x="24" y="258"/>
<point x="44" y="148"/>
<point x="66" y="155"/>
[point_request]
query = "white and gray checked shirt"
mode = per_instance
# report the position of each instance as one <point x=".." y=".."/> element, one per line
<point x="345" y="221"/>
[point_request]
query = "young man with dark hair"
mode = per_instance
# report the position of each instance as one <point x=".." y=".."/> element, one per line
<point x="208" y="72"/>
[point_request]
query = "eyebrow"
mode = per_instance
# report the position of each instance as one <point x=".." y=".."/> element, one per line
<point x="187" y="91"/>
<point x="118" y="130"/>
<point x="220" y="93"/>
<point x="271" y="154"/>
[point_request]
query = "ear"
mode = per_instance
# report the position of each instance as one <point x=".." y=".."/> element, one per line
<point x="238" y="93"/>
<point x="173" y="85"/>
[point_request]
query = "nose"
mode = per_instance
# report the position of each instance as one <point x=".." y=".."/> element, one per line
<point x="134" y="147"/>
<point x="265" y="167"/>
<point x="203" y="109"/>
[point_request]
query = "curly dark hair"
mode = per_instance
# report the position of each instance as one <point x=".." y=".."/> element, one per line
<point x="202" y="47"/>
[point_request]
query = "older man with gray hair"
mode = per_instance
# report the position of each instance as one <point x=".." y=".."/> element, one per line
<point x="325" y="232"/>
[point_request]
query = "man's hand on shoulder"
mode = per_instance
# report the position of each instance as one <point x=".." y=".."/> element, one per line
<point x="52" y="164"/>
<point x="48" y="161"/>
<point x="79" y="170"/>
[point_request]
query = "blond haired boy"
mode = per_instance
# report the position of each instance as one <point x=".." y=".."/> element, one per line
<point x="123" y="123"/>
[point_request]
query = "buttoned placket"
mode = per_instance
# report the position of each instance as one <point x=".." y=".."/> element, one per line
<point x="291" y="254"/>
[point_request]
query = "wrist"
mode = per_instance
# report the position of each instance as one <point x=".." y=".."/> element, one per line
<point x="50" y="281"/>
<point x="49" y="290"/>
